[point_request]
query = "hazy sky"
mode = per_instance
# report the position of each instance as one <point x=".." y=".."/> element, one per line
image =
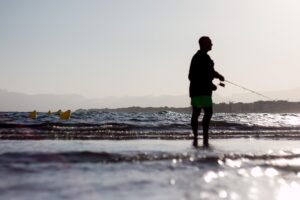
<point x="100" y="48"/>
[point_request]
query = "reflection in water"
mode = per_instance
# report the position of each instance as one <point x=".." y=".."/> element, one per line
<point x="289" y="191"/>
<point x="256" y="172"/>
<point x="134" y="169"/>
<point x="233" y="163"/>
<point x="222" y="194"/>
<point x="209" y="176"/>
<point x="271" y="172"/>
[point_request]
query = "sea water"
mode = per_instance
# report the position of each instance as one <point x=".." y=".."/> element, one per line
<point x="106" y="155"/>
<point x="144" y="125"/>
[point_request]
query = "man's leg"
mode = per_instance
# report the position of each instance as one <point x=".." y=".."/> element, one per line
<point x="194" y="121"/>
<point x="208" y="111"/>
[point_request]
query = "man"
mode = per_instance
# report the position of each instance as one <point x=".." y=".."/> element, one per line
<point x="201" y="75"/>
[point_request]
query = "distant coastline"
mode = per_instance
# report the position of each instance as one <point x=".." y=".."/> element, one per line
<point x="20" y="102"/>
<point x="255" y="107"/>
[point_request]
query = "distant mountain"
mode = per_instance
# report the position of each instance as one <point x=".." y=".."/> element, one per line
<point x="14" y="101"/>
<point x="254" y="107"/>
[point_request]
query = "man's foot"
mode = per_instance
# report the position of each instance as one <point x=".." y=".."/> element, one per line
<point x="205" y="144"/>
<point x="195" y="142"/>
<point x="205" y="139"/>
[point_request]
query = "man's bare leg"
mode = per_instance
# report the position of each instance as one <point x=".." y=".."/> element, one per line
<point x="194" y="123"/>
<point x="208" y="111"/>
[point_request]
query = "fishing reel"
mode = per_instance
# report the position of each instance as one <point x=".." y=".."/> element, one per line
<point x="214" y="87"/>
<point x="222" y="84"/>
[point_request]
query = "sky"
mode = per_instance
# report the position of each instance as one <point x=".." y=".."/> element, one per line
<point x="100" y="48"/>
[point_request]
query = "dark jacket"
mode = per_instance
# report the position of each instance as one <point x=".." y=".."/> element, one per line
<point x="201" y="74"/>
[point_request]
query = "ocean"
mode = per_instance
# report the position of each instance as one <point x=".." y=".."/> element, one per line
<point x="140" y="155"/>
<point x="85" y="124"/>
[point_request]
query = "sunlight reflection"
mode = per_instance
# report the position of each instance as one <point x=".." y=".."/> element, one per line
<point x="220" y="162"/>
<point x="172" y="181"/>
<point x="286" y="162"/>
<point x="256" y="172"/>
<point x="271" y="172"/>
<point x="296" y="151"/>
<point x="291" y="192"/>
<point x="191" y="159"/>
<point x="221" y="174"/>
<point x="204" y="195"/>
<point x="209" y="176"/>
<point x="233" y="163"/>
<point x="243" y="172"/>
<point x="253" y="192"/>
<point x="222" y="194"/>
<point x="293" y="121"/>
<point x="270" y="151"/>
<point x="174" y="161"/>
<point x="234" y="196"/>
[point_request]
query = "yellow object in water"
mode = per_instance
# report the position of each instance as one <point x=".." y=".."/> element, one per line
<point x="65" y="115"/>
<point x="58" y="112"/>
<point x="33" y="114"/>
<point x="49" y="112"/>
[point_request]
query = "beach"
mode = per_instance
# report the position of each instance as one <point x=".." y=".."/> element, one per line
<point x="148" y="155"/>
<point x="150" y="169"/>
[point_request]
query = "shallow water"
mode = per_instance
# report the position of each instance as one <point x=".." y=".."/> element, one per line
<point x="92" y="156"/>
<point x="149" y="169"/>
<point x="138" y="125"/>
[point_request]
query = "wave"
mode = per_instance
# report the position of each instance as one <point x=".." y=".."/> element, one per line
<point x="83" y="157"/>
<point x="199" y="156"/>
<point x="119" y="131"/>
<point x="139" y="125"/>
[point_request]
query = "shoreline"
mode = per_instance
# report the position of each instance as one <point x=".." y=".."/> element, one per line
<point x="218" y="146"/>
<point x="159" y="135"/>
<point x="155" y="169"/>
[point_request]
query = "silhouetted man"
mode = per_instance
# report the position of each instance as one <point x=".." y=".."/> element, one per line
<point x="201" y="75"/>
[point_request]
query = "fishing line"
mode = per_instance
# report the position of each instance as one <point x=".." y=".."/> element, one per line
<point x="237" y="85"/>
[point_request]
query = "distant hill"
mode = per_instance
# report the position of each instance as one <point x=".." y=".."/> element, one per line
<point x="259" y="107"/>
<point x="255" y="107"/>
<point x="13" y="101"/>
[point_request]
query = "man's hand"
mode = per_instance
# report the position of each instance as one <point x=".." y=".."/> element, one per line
<point x="221" y="78"/>
<point x="214" y="87"/>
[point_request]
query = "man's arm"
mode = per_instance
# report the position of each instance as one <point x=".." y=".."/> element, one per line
<point x="193" y="69"/>
<point x="219" y="76"/>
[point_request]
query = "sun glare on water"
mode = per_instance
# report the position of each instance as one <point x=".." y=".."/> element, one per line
<point x="289" y="191"/>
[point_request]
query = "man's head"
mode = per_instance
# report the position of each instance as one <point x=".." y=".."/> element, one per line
<point x="205" y="43"/>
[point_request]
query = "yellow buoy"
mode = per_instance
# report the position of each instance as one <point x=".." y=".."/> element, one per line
<point x="33" y="114"/>
<point x="49" y="112"/>
<point x="58" y="112"/>
<point x="65" y="115"/>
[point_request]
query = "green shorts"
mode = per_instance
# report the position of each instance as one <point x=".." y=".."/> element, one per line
<point x="201" y="101"/>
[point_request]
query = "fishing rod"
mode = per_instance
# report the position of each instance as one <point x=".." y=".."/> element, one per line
<point x="237" y="85"/>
